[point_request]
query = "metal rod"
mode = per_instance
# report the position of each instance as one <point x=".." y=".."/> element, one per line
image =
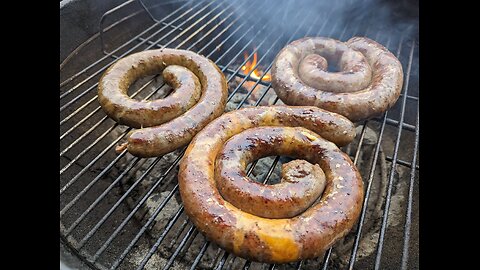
<point x="98" y="109"/>
<point x="88" y="148"/>
<point x="383" y="228"/>
<point x="243" y="102"/>
<point x="150" y="42"/>
<point x="403" y="162"/>
<point x="73" y="100"/>
<point x="114" y="207"/>
<point x="395" y="123"/>
<point x="135" y="209"/>
<point x="130" y="41"/>
<point x="200" y="255"/>
<point x="90" y="164"/>
<point x="145" y="197"/>
<point x="369" y="181"/>
<point x="105" y="133"/>
<point x="142" y="230"/>
<point x="95" y="203"/>
<point x="222" y="261"/>
<point x="408" y="219"/>
<point x="125" y="53"/>
<point x="191" y="232"/>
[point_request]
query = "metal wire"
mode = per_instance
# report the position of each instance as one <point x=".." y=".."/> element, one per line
<point x="393" y="166"/>
<point x="236" y="30"/>
<point x="408" y="220"/>
<point x="103" y="119"/>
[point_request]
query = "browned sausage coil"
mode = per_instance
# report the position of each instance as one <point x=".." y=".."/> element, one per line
<point x="368" y="83"/>
<point x="317" y="201"/>
<point x="200" y="93"/>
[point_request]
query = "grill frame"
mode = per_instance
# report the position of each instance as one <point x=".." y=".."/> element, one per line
<point x="191" y="232"/>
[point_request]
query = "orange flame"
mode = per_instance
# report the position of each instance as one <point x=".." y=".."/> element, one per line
<point x="256" y="74"/>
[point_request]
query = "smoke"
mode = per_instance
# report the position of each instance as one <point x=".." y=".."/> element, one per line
<point x="340" y="19"/>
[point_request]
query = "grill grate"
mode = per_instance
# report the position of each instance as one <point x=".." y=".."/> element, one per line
<point x="103" y="196"/>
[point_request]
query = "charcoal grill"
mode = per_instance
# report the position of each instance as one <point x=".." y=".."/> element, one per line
<point x="122" y="212"/>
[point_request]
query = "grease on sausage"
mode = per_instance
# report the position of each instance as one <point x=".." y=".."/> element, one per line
<point x="279" y="240"/>
<point x="369" y="81"/>
<point x="167" y="124"/>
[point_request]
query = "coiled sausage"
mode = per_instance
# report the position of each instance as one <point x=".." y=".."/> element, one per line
<point x="213" y="169"/>
<point x="369" y="81"/>
<point x="166" y="124"/>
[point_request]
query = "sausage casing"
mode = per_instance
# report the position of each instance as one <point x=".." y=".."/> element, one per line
<point x="166" y="124"/>
<point x="274" y="240"/>
<point x="369" y="81"/>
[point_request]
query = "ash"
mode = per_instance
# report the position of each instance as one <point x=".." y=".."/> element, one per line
<point x="162" y="195"/>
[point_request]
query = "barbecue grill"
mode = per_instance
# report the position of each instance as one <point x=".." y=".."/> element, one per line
<point x="123" y="212"/>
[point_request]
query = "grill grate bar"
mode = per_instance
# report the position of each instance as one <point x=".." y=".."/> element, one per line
<point x="86" y="149"/>
<point x="396" y="123"/>
<point x="370" y="178"/>
<point x="88" y="132"/>
<point x="144" y="228"/>
<point x="148" y="47"/>
<point x="114" y="207"/>
<point x="222" y="261"/>
<point x="122" y="136"/>
<point x="104" y="151"/>
<point x="403" y="163"/>
<point x="162" y="236"/>
<point x="200" y="255"/>
<point x="243" y="102"/>
<point x="191" y="232"/>
<point x="141" y="88"/>
<point x="329" y="250"/>
<point x="85" y="213"/>
<point x="408" y="220"/>
<point x="90" y="164"/>
<point x="393" y="166"/>
<point x="133" y="48"/>
<point x="76" y="75"/>
<point x="96" y="110"/>
<point x="129" y="51"/>
<point x="105" y="133"/>
<point x="125" y="221"/>
<point x="115" y="233"/>
<point x="188" y="233"/>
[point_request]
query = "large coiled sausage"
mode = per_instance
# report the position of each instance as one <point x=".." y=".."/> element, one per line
<point x="368" y="83"/>
<point x="239" y="214"/>
<point x="166" y="124"/>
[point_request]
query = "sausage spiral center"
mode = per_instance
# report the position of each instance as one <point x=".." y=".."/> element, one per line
<point x="368" y="82"/>
<point x="200" y="93"/>
<point x="301" y="183"/>
<point x="317" y="202"/>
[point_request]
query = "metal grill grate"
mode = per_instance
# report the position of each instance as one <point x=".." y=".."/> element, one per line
<point x="108" y="216"/>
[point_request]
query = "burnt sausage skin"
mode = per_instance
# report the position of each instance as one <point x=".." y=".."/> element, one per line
<point x="200" y="93"/>
<point x="368" y="83"/>
<point x="208" y="171"/>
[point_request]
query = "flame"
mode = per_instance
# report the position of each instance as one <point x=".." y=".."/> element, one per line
<point x="256" y="74"/>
